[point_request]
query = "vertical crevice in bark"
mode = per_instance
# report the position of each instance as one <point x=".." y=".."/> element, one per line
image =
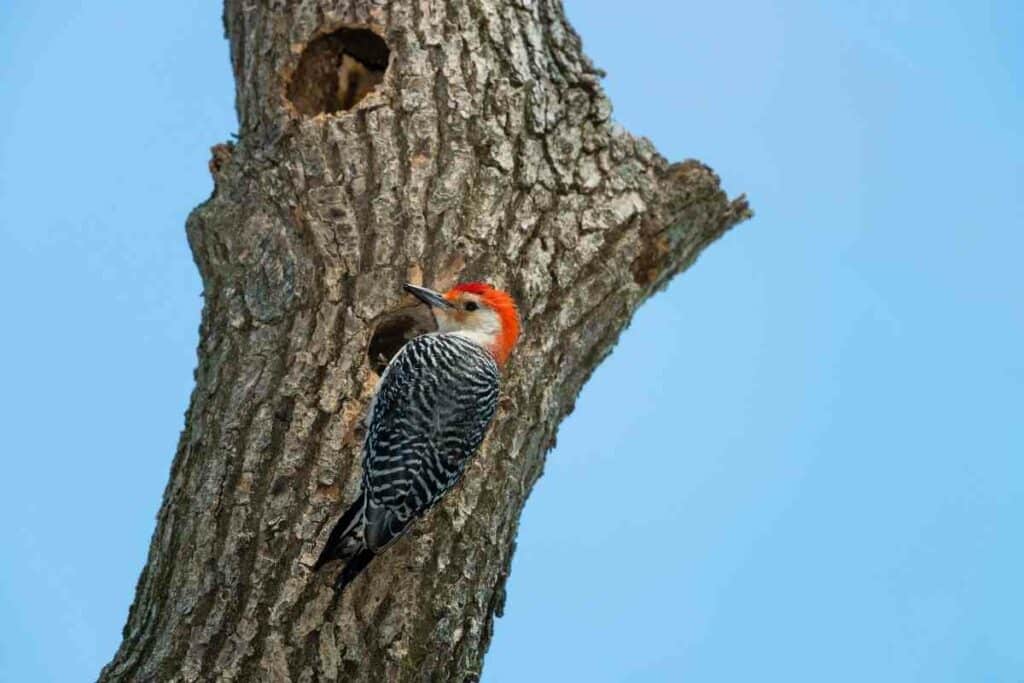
<point x="483" y="148"/>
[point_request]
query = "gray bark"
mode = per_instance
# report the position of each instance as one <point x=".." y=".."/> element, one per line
<point x="485" y="151"/>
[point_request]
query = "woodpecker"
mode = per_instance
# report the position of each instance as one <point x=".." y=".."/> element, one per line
<point x="432" y="408"/>
<point x="355" y="81"/>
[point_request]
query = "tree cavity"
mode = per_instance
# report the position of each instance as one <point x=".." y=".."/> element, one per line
<point x="338" y="70"/>
<point x="393" y="332"/>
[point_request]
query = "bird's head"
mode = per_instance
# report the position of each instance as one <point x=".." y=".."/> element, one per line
<point x="478" y="311"/>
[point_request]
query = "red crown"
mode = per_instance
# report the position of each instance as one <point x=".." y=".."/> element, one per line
<point x="480" y="288"/>
<point x="503" y="305"/>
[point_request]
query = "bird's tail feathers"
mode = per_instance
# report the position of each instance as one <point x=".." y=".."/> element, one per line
<point x="347" y="539"/>
<point x="353" y="567"/>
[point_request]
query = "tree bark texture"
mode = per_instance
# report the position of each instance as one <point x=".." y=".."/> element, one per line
<point x="484" y="151"/>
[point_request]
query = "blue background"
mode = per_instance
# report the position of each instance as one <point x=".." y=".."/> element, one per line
<point x="817" y="472"/>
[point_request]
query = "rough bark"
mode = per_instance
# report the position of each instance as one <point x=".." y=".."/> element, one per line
<point x="487" y="152"/>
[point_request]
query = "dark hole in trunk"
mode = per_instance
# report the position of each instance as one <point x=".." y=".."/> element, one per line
<point x="337" y="70"/>
<point x="394" y="330"/>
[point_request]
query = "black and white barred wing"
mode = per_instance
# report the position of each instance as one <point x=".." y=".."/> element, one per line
<point x="432" y="411"/>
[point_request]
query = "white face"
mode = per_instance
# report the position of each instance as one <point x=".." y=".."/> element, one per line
<point x="471" y="316"/>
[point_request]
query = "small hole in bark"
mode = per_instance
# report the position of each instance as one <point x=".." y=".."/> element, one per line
<point x="338" y="70"/>
<point x="394" y="330"/>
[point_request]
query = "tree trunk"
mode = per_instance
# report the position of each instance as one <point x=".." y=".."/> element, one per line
<point x="383" y="141"/>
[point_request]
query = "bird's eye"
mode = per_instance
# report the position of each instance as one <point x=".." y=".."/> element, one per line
<point x="472" y="305"/>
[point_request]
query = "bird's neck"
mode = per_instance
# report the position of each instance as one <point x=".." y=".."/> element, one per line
<point x="485" y="340"/>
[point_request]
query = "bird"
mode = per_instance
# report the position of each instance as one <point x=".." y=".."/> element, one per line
<point x="431" y="410"/>
<point x="355" y="81"/>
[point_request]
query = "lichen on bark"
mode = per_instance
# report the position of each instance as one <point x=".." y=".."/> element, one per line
<point x="486" y="152"/>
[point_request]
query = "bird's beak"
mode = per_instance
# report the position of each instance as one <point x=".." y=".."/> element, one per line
<point x="428" y="296"/>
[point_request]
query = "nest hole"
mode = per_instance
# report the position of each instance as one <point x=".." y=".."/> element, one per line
<point x="394" y="331"/>
<point x="338" y="70"/>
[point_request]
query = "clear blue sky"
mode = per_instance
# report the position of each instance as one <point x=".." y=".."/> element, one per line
<point x="819" y="472"/>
